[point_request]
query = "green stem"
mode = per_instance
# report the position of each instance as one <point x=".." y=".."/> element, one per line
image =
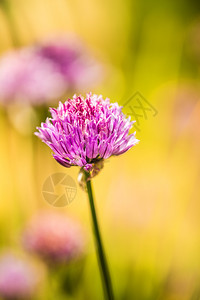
<point x="106" y="279"/>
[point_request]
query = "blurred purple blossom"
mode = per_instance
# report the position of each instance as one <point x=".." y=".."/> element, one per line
<point x="84" y="132"/>
<point x="46" y="71"/>
<point x="18" y="277"/>
<point x="54" y="237"/>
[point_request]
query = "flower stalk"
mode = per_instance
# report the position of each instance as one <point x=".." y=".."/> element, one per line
<point x="105" y="274"/>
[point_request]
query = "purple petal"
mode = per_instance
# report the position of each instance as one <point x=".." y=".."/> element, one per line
<point x="62" y="161"/>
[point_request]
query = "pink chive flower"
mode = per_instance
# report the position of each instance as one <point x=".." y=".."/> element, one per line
<point x="41" y="73"/>
<point x="54" y="237"/>
<point x="18" y="278"/>
<point x="84" y="132"/>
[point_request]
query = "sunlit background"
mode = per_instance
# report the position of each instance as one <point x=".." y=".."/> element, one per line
<point x="145" y="56"/>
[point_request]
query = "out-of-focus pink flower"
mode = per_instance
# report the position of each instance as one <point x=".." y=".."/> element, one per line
<point x="18" y="277"/>
<point x="44" y="72"/>
<point x="73" y="61"/>
<point x="54" y="237"/>
<point x="25" y="76"/>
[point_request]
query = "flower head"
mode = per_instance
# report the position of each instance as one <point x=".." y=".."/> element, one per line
<point x="17" y="277"/>
<point x="54" y="237"/>
<point x="83" y="132"/>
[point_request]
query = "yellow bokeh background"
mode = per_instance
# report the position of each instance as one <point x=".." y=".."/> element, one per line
<point x="148" y="199"/>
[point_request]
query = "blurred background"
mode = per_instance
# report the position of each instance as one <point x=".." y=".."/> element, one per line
<point x="145" y="56"/>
